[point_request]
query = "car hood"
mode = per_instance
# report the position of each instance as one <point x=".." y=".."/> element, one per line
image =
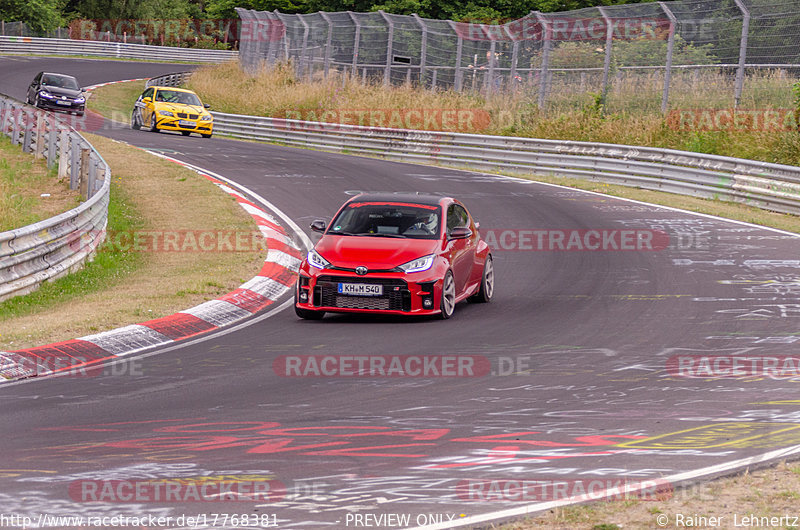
<point x="59" y="91"/>
<point x="373" y="252"/>
<point x="178" y="107"/>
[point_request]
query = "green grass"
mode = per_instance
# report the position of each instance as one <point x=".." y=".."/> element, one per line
<point x="104" y="271"/>
<point x="22" y="180"/>
<point x="117" y="100"/>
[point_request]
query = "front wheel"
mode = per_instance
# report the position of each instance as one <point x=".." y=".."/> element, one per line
<point x="206" y="135"/>
<point x="185" y="133"/>
<point x="136" y="120"/>
<point x="484" y="294"/>
<point x="447" y="303"/>
<point x="153" y="125"/>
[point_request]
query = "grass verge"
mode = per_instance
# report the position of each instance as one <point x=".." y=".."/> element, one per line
<point x="765" y="493"/>
<point x="23" y="181"/>
<point x="123" y="286"/>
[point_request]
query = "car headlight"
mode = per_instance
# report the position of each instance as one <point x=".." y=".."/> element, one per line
<point x="80" y="99"/>
<point x="206" y="117"/>
<point x="418" y="265"/>
<point x="46" y="94"/>
<point x="166" y="113"/>
<point x="315" y="260"/>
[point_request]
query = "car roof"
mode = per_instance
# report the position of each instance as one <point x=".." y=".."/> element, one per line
<point x="59" y="75"/>
<point x="410" y="197"/>
<point x="173" y="88"/>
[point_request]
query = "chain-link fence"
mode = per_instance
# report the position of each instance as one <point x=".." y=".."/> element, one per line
<point x="740" y="52"/>
<point x="21" y="29"/>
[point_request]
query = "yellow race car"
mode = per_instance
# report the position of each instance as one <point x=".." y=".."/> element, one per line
<point x="172" y="109"/>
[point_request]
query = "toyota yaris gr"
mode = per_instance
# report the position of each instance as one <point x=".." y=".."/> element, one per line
<point x="172" y="109"/>
<point x="403" y="254"/>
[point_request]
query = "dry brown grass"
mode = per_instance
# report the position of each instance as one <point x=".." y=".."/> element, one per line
<point x="167" y="197"/>
<point x="632" y="114"/>
<point x="766" y="493"/>
<point x="23" y="180"/>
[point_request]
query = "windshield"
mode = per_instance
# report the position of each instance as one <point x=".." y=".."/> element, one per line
<point x="174" y="96"/>
<point x="388" y="219"/>
<point x="60" y="81"/>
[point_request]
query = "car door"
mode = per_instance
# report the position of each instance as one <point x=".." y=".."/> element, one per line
<point x="462" y="251"/>
<point x="145" y="105"/>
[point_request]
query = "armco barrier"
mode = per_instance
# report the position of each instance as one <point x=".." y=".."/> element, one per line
<point x="769" y="186"/>
<point x="112" y="50"/>
<point x="51" y="248"/>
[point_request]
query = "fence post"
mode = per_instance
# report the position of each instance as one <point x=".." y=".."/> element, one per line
<point x="27" y="137"/>
<point x="737" y="95"/>
<point x="39" y="136"/>
<point x="387" y="72"/>
<point x="15" y="125"/>
<point x="607" y="59"/>
<point x="545" y="69"/>
<point x="670" y="46"/>
<point x="63" y="160"/>
<point x="328" y="42"/>
<point x="423" y="53"/>
<point x="514" y="57"/>
<point x="285" y="38"/>
<point x="84" y="172"/>
<point x="488" y="81"/>
<point x="74" y="164"/>
<point x="52" y="141"/>
<point x="92" y="173"/>
<point x="356" y="42"/>
<point x="459" y="74"/>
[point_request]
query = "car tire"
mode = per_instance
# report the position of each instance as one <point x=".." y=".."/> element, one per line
<point x="447" y="302"/>
<point x="485" y="293"/>
<point x="136" y="120"/>
<point x="185" y="133"/>
<point x="37" y="102"/>
<point x="306" y="314"/>
<point x="205" y="135"/>
<point x="153" y="125"/>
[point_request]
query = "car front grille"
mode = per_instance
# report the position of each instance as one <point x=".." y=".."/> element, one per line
<point x="189" y="116"/>
<point x="395" y="296"/>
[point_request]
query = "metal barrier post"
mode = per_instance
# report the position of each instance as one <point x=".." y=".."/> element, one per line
<point x="63" y="156"/>
<point x="74" y="164"/>
<point x="423" y="53"/>
<point x="27" y="138"/>
<point x="607" y="59"/>
<point x="387" y="72"/>
<point x="39" y="136"/>
<point x="459" y="74"/>
<point x="356" y="42"/>
<point x="670" y="45"/>
<point x="737" y="95"/>
<point x="52" y="143"/>
<point x="547" y="32"/>
<point x="328" y="42"/>
<point x="83" y="172"/>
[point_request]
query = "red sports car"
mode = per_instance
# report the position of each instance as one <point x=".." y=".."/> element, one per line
<point x="390" y="253"/>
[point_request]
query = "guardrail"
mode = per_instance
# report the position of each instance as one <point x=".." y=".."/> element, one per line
<point x="176" y="79"/>
<point x="769" y="186"/>
<point x="113" y="50"/>
<point x="56" y="246"/>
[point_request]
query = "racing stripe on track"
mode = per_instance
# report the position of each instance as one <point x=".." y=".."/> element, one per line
<point x="179" y="326"/>
<point x="51" y="358"/>
<point x="128" y="339"/>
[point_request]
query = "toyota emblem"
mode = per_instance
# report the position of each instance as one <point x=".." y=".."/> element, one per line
<point x="361" y="270"/>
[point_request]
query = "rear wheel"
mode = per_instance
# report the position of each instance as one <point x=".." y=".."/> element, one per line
<point x="448" y="300"/>
<point x="486" y="291"/>
<point x="206" y="135"/>
<point x="306" y="314"/>
<point x="185" y="133"/>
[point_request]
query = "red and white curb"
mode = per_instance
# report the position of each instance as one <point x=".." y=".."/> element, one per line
<point x="276" y="277"/>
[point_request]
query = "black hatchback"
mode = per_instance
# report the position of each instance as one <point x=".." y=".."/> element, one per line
<point x="56" y="91"/>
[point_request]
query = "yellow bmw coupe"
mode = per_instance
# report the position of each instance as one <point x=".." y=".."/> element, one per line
<point x="172" y="109"/>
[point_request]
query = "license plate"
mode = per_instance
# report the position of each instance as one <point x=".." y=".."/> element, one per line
<point x="360" y="289"/>
<point x="184" y="123"/>
<point x="60" y="102"/>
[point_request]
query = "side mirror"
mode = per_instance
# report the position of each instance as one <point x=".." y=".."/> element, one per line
<point x="145" y="99"/>
<point x="206" y="105"/>
<point x="460" y="232"/>
<point x="477" y="225"/>
<point x="318" y="225"/>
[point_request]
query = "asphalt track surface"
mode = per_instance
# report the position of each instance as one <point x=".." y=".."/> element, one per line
<point x="579" y="344"/>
